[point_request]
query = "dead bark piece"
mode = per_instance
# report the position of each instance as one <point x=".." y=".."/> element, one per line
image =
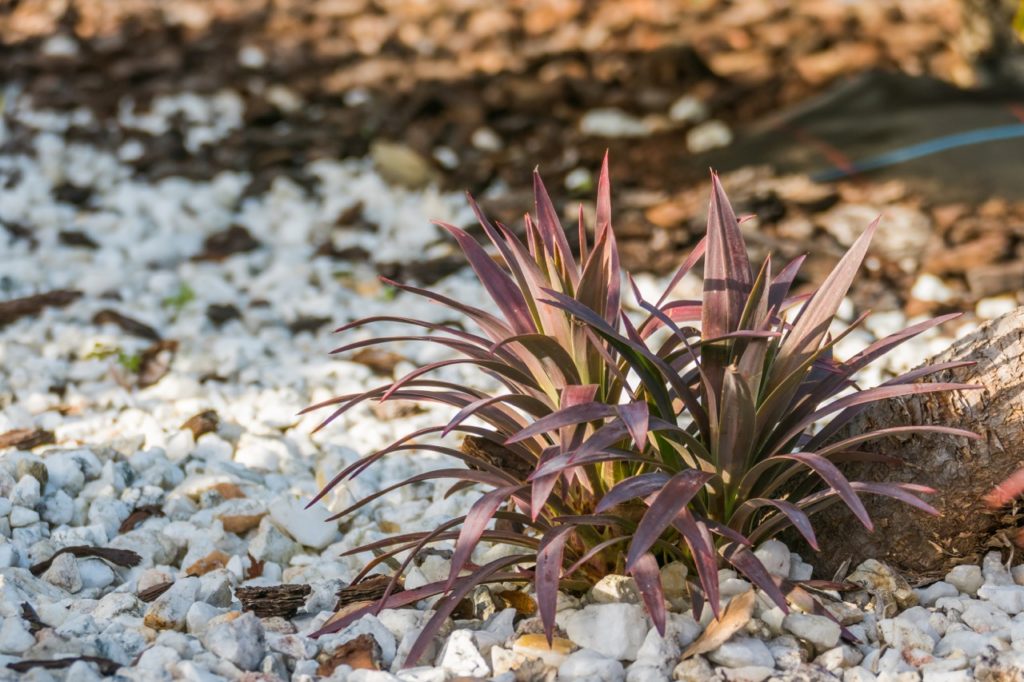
<point x="26" y="439"/>
<point x="205" y="422"/>
<point x="361" y="653"/>
<point x="77" y="238"/>
<point x="105" y="665"/>
<point x="139" y="515"/>
<point x="235" y="239"/>
<point x="30" y="616"/>
<point x="277" y="600"/>
<point x="150" y="593"/>
<point x="128" y="324"/>
<point x="962" y="471"/>
<point x="18" y="308"/>
<point x="368" y="590"/>
<point x="119" y="557"/>
<point x="496" y="455"/>
<point x="155" y="362"/>
<point x="380" y="362"/>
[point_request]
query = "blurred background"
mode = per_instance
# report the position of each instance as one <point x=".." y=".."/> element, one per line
<point x="821" y="114"/>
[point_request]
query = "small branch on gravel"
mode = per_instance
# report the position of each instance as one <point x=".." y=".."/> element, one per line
<point x="152" y="592"/>
<point x="26" y="439"/>
<point x="139" y="515"/>
<point x="119" y="557"/>
<point x="13" y="310"/>
<point x="29" y="615"/>
<point x="106" y="666"/>
<point x="128" y="324"/>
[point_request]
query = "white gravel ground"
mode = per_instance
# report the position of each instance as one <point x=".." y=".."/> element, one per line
<point x="120" y="447"/>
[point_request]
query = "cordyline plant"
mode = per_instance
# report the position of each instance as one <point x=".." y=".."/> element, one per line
<point x="619" y="446"/>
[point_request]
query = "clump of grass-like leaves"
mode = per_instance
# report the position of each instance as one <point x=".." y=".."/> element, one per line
<point x="619" y="446"/>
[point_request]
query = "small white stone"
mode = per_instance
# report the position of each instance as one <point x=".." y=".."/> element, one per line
<point x="742" y="652"/>
<point x="240" y="641"/>
<point x="460" y="656"/>
<point x="995" y="571"/>
<point x="252" y="57"/>
<point x="615" y="588"/>
<point x="983" y="617"/>
<point x="774" y="555"/>
<point x="688" y="109"/>
<point x="486" y="140"/>
<point x="707" y="136"/>
<point x="820" y="631"/>
<point x="1009" y="598"/>
<point x="967" y="578"/>
<point x="308" y="527"/>
<point x="798" y="570"/>
<point x="15" y="638"/>
<point x="931" y="594"/>
<point x="21" y="517"/>
<point x="928" y="287"/>
<point x="168" y="611"/>
<point x="612" y="630"/>
<point x="587" y="664"/>
<point x="58" y="508"/>
<point x="858" y="674"/>
<point x="839" y="658"/>
<point x="612" y="123"/>
<point x="63" y="573"/>
<point x="198" y="617"/>
<point x="27" y="492"/>
<point x="970" y="644"/>
<point x="750" y="673"/>
<point x="995" y="306"/>
<point x="904" y="635"/>
<point x="95" y="573"/>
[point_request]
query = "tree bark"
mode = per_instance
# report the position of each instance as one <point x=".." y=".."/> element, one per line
<point x="962" y="471"/>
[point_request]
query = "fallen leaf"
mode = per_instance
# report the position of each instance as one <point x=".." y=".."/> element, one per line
<point x="736" y="615"/>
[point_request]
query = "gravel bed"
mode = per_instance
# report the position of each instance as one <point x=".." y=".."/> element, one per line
<point x="165" y="336"/>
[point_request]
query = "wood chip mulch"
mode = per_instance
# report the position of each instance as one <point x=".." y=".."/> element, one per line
<point x="105" y="665"/>
<point x="152" y="592"/>
<point x="26" y="439"/>
<point x="277" y="600"/>
<point x="369" y="589"/>
<point x="15" y="309"/>
<point x="139" y="515"/>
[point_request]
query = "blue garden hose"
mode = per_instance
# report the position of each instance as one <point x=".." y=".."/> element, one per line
<point x="916" y="151"/>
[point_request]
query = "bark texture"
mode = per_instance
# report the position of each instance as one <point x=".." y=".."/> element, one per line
<point x="924" y="547"/>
